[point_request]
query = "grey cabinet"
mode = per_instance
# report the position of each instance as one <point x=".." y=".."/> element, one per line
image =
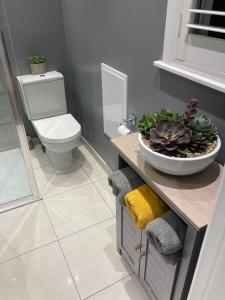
<point x="196" y="224"/>
<point x="156" y="272"/>
<point x="129" y="243"/>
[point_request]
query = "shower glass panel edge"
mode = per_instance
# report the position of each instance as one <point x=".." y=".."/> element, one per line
<point x="21" y="135"/>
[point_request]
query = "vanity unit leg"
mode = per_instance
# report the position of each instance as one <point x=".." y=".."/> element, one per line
<point x="119" y="227"/>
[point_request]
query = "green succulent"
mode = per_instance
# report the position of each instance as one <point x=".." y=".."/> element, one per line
<point x="170" y="138"/>
<point x="203" y="133"/>
<point x="37" y="59"/>
<point x="151" y="120"/>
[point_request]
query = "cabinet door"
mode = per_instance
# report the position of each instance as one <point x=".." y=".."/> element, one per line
<point x="158" y="272"/>
<point x="129" y="239"/>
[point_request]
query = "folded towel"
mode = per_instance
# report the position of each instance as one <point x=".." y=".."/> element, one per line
<point x="167" y="232"/>
<point x="123" y="181"/>
<point x="144" y="206"/>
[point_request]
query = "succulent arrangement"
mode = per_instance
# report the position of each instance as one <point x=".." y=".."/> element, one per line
<point x="37" y="59"/>
<point x="151" y="120"/>
<point x="179" y="135"/>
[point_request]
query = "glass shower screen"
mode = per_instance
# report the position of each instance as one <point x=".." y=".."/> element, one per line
<point x="17" y="182"/>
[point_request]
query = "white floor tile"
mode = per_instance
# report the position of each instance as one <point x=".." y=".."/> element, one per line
<point x="38" y="158"/>
<point x="38" y="275"/>
<point x="105" y="190"/>
<point x="24" y="229"/>
<point x="52" y="182"/>
<point x="93" y="259"/>
<point x="127" y="289"/>
<point x="94" y="171"/>
<point x="76" y="209"/>
<point x="82" y="153"/>
<point x="89" y="164"/>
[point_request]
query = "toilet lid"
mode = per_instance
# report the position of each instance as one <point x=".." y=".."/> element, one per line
<point x="58" y="129"/>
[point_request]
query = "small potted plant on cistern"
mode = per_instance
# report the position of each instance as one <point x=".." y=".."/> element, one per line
<point x="179" y="144"/>
<point x="37" y="64"/>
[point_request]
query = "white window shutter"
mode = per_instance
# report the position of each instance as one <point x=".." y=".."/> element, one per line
<point x="184" y="30"/>
<point x="206" y="12"/>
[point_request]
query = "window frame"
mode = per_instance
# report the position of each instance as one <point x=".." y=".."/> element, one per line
<point x="181" y="48"/>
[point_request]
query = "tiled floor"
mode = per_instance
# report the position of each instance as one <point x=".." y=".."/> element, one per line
<point x="64" y="247"/>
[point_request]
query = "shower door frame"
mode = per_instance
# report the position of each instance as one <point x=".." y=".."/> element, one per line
<point x="18" y="121"/>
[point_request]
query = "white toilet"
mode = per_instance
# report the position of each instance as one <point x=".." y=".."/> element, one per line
<point x="44" y="101"/>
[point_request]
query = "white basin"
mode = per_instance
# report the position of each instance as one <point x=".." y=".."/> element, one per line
<point x="176" y="165"/>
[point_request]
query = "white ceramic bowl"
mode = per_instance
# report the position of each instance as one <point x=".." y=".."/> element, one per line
<point x="176" y="165"/>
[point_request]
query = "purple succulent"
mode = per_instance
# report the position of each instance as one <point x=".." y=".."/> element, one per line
<point x="170" y="137"/>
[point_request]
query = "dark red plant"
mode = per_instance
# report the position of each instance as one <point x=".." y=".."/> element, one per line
<point x="190" y="112"/>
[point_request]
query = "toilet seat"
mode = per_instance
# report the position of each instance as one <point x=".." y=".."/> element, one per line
<point x="58" y="129"/>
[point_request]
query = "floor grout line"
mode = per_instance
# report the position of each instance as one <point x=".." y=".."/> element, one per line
<point x="86" y="228"/>
<point x="68" y="266"/>
<point x="67" y="190"/>
<point x="96" y="161"/>
<point x="46" y="199"/>
<point x="29" y="251"/>
<point x="96" y="179"/>
<point x="103" y="198"/>
<point x="58" y="239"/>
<point x="108" y="286"/>
<point x="70" y="189"/>
<point x="63" y="253"/>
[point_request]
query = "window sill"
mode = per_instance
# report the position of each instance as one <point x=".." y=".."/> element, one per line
<point x="214" y="82"/>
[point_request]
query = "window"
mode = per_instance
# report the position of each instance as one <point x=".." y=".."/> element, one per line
<point x="214" y="16"/>
<point x="194" y="44"/>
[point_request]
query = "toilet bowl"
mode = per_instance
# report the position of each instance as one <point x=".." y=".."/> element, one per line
<point x="44" y="102"/>
<point x="60" y="135"/>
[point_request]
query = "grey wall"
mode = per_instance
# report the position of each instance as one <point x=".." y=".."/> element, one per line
<point x="31" y="27"/>
<point x="127" y="35"/>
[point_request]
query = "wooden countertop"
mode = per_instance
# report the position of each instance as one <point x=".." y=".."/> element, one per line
<point x="191" y="196"/>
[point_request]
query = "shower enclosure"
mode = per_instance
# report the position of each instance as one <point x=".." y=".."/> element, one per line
<point x="17" y="182"/>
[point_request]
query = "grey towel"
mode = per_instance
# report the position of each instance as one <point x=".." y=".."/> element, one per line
<point x="167" y="232"/>
<point x="124" y="181"/>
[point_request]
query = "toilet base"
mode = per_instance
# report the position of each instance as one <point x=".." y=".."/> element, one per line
<point x="60" y="161"/>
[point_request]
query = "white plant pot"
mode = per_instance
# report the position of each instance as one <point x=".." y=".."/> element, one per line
<point x="176" y="165"/>
<point x="38" y="68"/>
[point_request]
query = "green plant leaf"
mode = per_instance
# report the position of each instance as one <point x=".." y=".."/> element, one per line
<point x="151" y="120"/>
<point x="37" y="59"/>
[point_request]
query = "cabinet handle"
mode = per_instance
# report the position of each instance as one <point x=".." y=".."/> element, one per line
<point x="138" y="247"/>
<point x="142" y="254"/>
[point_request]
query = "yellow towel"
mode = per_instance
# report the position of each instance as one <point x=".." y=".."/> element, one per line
<point x="144" y="206"/>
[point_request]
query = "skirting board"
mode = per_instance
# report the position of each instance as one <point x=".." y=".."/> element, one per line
<point x="97" y="156"/>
